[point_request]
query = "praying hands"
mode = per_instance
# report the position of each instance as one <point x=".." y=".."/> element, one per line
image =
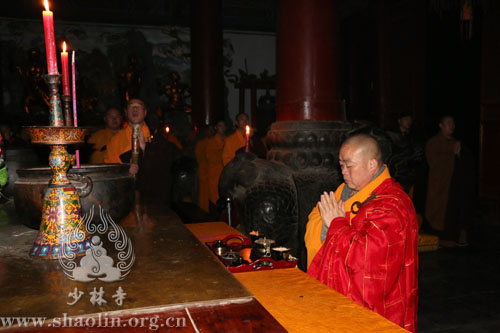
<point x="330" y="208"/>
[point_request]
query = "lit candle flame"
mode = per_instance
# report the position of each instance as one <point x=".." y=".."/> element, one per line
<point x="167" y="129"/>
<point x="46" y="4"/>
<point x="247" y="130"/>
<point x="64" y="46"/>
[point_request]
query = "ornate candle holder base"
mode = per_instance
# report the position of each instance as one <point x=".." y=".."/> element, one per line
<point x="61" y="227"/>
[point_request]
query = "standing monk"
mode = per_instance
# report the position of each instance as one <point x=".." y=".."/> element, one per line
<point x="362" y="239"/>
<point x="100" y="139"/>
<point x="440" y="151"/>
<point x="236" y="140"/>
<point x="120" y="146"/>
<point x="214" y="148"/>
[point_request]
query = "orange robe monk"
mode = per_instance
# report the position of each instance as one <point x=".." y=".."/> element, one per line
<point x="370" y="255"/>
<point x="201" y="157"/>
<point x="440" y="155"/>
<point x="99" y="140"/>
<point x="121" y="143"/>
<point x="232" y="143"/>
<point x="214" y="148"/>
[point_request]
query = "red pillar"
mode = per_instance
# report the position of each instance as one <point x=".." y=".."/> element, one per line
<point x="206" y="62"/>
<point x="307" y="73"/>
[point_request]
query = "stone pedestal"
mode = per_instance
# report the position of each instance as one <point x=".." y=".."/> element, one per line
<point x="310" y="151"/>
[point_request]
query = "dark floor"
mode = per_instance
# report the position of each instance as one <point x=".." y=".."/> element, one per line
<point x="459" y="288"/>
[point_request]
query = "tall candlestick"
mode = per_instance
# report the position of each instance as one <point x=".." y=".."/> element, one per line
<point x="65" y="70"/>
<point x="50" y="41"/>
<point x="53" y="82"/>
<point x="75" y="120"/>
<point x="247" y="134"/>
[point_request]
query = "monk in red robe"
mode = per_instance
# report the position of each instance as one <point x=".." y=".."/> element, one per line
<point x="362" y="239"/>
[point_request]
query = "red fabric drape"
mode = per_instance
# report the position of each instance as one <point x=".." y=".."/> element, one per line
<point x="374" y="261"/>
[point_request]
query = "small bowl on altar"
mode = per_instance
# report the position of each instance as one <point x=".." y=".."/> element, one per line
<point x="280" y="253"/>
<point x="232" y="258"/>
<point x="262" y="247"/>
<point x="220" y="248"/>
<point x="254" y="235"/>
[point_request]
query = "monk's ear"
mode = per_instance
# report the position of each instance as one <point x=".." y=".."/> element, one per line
<point x="372" y="165"/>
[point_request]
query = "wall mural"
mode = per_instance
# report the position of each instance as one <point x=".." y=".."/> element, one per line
<point x="113" y="62"/>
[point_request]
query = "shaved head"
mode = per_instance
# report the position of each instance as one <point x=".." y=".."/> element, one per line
<point x="367" y="145"/>
<point x="360" y="159"/>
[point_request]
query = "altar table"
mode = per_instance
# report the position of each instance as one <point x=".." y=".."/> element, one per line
<point x="296" y="300"/>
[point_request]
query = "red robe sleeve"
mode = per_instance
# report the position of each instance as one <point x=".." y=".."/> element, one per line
<point x="374" y="260"/>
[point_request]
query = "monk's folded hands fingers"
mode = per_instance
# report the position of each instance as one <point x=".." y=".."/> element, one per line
<point x="325" y="209"/>
<point x="342" y="208"/>
<point x="331" y="198"/>
<point x="326" y="202"/>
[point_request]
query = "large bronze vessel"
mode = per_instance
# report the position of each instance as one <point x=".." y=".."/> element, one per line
<point x="107" y="185"/>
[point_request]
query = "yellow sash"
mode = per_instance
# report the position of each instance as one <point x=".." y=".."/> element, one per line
<point x="312" y="237"/>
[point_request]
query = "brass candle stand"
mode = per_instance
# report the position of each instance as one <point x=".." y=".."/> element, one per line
<point x="61" y="213"/>
<point x="68" y="115"/>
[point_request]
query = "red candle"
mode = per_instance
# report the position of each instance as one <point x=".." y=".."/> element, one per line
<point x="247" y="134"/>
<point x="50" y="41"/>
<point x="65" y="70"/>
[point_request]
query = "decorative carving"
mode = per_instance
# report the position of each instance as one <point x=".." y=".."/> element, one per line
<point x="68" y="112"/>
<point x="176" y="93"/>
<point x="56" y="115"/>
<point x="56" y="135"/>
<point x="265" y="196"/>
<point x="306" y="146"/>
<point x="130" y="81"/>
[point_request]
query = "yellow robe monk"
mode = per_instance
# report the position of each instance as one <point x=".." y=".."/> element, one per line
<point x="99" y="141"/>
<point x="121" y="143"/>
<point x="440" y="155"/>
<point x="233" y="142"/>
<point x="315" y="224"/>
<point x="214" y="148"/>
<point x="201" y="157"/>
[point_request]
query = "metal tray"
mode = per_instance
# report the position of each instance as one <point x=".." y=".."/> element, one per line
<point x="238" y="243"/>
